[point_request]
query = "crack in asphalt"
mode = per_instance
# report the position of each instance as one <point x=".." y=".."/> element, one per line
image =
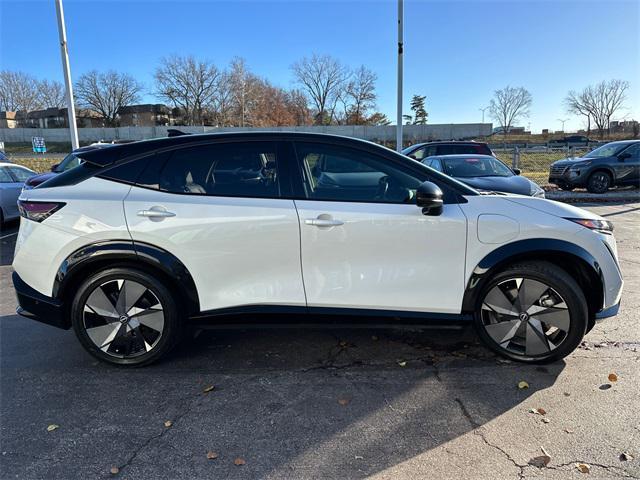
<point x="190" y="402"/>
<point x="477" y="430"/>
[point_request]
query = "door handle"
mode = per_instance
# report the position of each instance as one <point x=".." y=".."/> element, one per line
<point x="323" y="222"/>
<point x="155" y="212"/>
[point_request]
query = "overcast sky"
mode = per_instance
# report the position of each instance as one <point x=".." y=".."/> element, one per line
<point x="456" y="52"/>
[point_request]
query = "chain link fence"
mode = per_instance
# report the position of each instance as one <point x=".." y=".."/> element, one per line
<point x="534" y="162"/>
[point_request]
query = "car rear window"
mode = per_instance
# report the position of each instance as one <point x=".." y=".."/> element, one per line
<point x="463" y="149"/>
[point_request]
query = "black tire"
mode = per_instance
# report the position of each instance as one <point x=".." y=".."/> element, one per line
<point x="562" y="290"/>
<point x="599" y="182"/>
<point x="134" y="333"/>
<point x="567" y="188"/>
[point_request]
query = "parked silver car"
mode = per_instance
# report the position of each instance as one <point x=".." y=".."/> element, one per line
<point x="12" y="178"/>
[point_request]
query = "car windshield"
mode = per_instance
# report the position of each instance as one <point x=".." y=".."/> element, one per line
<point x="69" y="162"/>
<point x="475" y="166"/>
<point x="608" y="150"/>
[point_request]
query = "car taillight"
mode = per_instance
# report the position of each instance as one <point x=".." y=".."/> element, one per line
<point x="38" y="211"/>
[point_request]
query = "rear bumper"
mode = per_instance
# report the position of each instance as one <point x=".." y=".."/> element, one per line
<point x="32" y="304"/>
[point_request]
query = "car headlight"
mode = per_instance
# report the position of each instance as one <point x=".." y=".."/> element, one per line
<point x="536" y="191"/>
<point x="604" y="226"/>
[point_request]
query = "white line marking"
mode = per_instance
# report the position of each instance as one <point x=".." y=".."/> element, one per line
<point x="8" y="235"/>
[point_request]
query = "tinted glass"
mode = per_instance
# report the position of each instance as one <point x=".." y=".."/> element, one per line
<point x="21" y="174"/>
<point x="633" y="150"/>
<point x="434" y="163"/>
<point x="69" y="162"/>
<point x="480" y="166"/>
<point x="127" y="172"/>
<point x="227" y="169"/>
<point x="608" y="150"/>
<point x="4" y="175"/>
<point x="344" y="174"/>
<point x="463" y="149"/>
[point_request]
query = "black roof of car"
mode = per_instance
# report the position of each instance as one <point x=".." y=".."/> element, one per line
<point x="108" y="156"/>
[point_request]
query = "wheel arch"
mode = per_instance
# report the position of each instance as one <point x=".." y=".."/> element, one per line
<point x="579" y="263"/>
<point x="602" y="168"/>
<point x="125" y="253"/>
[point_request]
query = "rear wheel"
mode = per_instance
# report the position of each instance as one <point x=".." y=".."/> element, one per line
<point x="125" y="317"/>
<point x="532" y="312"/>
<point x="599" y="182"/>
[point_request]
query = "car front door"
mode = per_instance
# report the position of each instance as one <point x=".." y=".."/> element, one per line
<point x="365" y="244"/>
<point x="628" y="167"/>
<point x="219" y="209"/>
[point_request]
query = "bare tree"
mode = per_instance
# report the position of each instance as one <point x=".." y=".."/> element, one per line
<point x="51" y="94"/>
<point x="322" y="78"/>
<point x="18" y="92"/>
<point x="508" y="105"/>
<point x="361" y="94"/>
<point x="578" y="104"/>
<point x="188" y="84"/>
<point x="106" y="93"/>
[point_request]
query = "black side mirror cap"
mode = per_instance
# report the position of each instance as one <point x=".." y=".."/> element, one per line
<point x="517" y="171"/>
<point x="429" y="198"/>
<point x="54" y="167"/>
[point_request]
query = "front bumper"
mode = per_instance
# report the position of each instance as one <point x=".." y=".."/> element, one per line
<point x="612" y="311"/>
<point x="32" y="304"/>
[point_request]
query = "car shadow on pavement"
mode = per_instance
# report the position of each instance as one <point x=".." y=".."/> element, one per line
<point x="293" y="403"/>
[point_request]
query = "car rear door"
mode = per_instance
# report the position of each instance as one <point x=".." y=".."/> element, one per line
<point x="365" y="244"/>
<point x="219" y="209"/>
<point x="10" y="188"/>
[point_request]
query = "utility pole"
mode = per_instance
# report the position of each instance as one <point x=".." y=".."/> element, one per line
<point x="400" y="72"/>
<point x="64" y="52"/>
<point x="482" y="110"/>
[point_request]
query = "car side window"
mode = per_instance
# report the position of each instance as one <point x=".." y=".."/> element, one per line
<point x="20" y="174"/>
<point x="349" y="175"/>
<point x="226" y="169"/>
<point x="634" y="151"/>
<point x="4" y="176"/>
<point x="435" y="164"/>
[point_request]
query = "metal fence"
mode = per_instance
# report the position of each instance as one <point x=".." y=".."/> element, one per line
<point x="534" y="162"/>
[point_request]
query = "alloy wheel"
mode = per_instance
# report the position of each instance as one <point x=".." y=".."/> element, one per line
<point x="525" y="317"/>
<point x="599" y="182"/>
<point x="123" y="318"/>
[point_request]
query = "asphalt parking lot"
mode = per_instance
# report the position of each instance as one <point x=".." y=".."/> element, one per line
<point x="323" y="403"/>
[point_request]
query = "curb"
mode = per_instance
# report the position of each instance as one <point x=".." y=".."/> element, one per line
<point x="611" y="197"/>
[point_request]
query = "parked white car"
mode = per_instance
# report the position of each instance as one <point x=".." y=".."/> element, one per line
<point x="141" y="239"/>
<point x="12" y="178"/>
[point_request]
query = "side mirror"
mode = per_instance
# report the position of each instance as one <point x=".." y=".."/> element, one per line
<point x="429" y="198"/>
<point x="54" y="167"/>
<point x="624" y="156"/>
<point x="517" y="171"/>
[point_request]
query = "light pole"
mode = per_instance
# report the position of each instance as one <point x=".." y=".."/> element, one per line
<point x="400" y="72"/>
<point x="64" y="52"/>
<point x="561" y="120"/>
<point x="482" y="110"/>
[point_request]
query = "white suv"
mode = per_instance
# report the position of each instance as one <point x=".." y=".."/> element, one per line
<point x="144" y="238"/>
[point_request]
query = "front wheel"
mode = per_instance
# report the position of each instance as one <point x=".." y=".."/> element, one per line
<point x="125" y="316"/>
<point x="599" y="182"/>
<point x="532" y="312"/>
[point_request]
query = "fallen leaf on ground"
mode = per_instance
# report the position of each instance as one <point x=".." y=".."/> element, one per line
<point x="402" y="363"/>
<point x="538" y="411"/>
<point x="545" y="420"/>
<point x="566" y="394"/>
<point x="208" y="389"/>
<point x="212" y="455"/>
<point x="583" y="467"/>
<point x="239" y="461"/>
<point x="626" y="457"/>
<point x="605" y="386"/>
<point x="359" y="457"/>
<point x="374" y="338"/>
<point x="114" y="470"/>
<point x="343" y="401"/>
<point x="343" y="343"/>
<point x="613" y="377"/>
<point x="522" y="385"/>
<point x="168" y="423"/>
<point x="568" y="430"/>
<point x="52" y="427"/>
<point x="541" y="460"/>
